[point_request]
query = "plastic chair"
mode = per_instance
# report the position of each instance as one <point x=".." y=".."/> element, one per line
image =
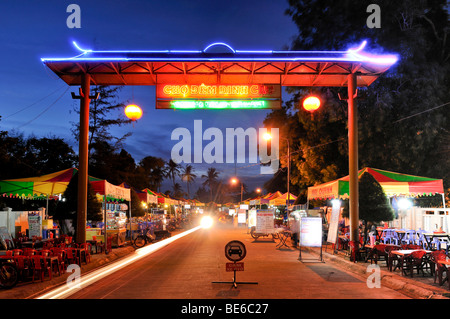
<point x="17" y="252"/>
<point x="416" y="259"/>
<point x="420" y="238"/>
<point x="23" y="265"/>
<point x="87" y="248"/>
<point x="29" y="252"/>
<point x="40" y="265"/>
<point x="355" y="251"/>
<point x="391" y="257"/>
<point x="44" y="252"/>
<point x="379" y="251"/>
<point x="61" y="254"/>
<point x="439" y="269"/>
<point x="410" y="237"/>
<point x="72" y="257"/>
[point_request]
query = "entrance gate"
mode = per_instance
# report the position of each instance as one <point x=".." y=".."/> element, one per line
<point x="351" y="68"/>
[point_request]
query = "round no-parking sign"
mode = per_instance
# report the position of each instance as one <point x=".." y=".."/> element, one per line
<point x="235" y="251"/>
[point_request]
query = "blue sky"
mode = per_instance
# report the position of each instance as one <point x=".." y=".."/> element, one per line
<point x="35" y="101"/>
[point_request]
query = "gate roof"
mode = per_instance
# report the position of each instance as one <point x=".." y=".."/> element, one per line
<point x="228" y="66"/>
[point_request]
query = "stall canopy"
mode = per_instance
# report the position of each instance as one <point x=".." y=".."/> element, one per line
<point x="393" y="184"/>
<point x="40" y="186"/>
<point x="281" y="200"/>
<point x="112" y="192"/>
<point x="150" y="196"/>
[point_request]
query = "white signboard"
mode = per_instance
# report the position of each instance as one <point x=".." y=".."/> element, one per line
<point x="34" y="225"/>
<point x="311" y="232"/>
<point x="231" y="212"/>
<point x="334" y="222"/>
<point x="265" y="221"/>
<point x="242" y="216"/>
<point x="252" y="218"/>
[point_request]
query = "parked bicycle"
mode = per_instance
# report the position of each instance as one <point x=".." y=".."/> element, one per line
<point x="142" y="239"/>
<point x="9" y="275"/>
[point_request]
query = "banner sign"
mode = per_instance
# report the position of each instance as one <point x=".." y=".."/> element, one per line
<point x="334" y="222"/>
<point x="221" y="91"/>
<point x="265" y="221"/>
<point x="242" y="216"/>
<point x="218" y="96"/>
<point x="252" y="218"/>
<point x="311" y="232"/>
<point x="34" y="225"/>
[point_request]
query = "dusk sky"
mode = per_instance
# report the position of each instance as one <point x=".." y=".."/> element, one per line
<point x="35" y="101"/>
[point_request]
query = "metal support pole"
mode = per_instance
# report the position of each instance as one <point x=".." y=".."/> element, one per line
<point x="289" y="175"/>
<point x="353" y="157"/>
<point x="83" y="158"/>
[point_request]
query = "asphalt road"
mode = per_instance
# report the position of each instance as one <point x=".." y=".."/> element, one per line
<point x="187" y="268"/>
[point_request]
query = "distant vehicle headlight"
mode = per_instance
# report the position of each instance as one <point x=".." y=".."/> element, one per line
<point x="206" y="222"/>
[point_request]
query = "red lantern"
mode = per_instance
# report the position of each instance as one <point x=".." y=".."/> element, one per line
<point x="311" y="103"/>
<point x="133" y="112"/>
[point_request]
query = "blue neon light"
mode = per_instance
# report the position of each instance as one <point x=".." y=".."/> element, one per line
<point x="221" y="44"/>
<point x="350" y="55"/>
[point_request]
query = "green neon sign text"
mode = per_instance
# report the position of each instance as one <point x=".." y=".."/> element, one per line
<point x="220" y="104"/>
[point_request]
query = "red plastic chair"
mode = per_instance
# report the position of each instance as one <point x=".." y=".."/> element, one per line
<point x="29" y="252"/>
<point x="44" y="252"/>
<point x="379" y="251"/>
<point x="87" y="248"/>
<point x="17" y="252"/>
<point x="439" y="269"/>
<point x="72" y="257"/>
<point x="416" y="259"/>
<point x="40" y="266"/>
<point x="23" y="265"/>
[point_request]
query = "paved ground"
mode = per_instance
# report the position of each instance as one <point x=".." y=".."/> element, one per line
<point x="278" y="272"/>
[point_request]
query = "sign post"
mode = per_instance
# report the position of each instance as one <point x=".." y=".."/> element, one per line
<point x="310" y="235"/>
<point x="235" y="251"/>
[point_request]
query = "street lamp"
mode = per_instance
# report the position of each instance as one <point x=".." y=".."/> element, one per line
<point x="234" y="180"/>
<point x="267" y="136"/>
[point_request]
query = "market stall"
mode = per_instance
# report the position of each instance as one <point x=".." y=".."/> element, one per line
<point x="114" y="212"/>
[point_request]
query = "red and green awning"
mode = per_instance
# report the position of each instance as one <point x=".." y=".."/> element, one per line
<point x="393" y="184"/>
<point x="41" y="186"/>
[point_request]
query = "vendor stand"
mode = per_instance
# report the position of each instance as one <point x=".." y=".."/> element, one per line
<point x="114" y="213"/>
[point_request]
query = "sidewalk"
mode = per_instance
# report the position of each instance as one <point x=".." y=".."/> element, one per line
<point x="418" y="287"/>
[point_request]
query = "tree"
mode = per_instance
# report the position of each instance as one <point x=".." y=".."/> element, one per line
<point x="374" y="205"/>
<point x="153" y="171"/>
<point x="172" y="170"/>
<point x="188" y="176"/>
<point x="211" y="180"/>
<point x="103" y="114"/>
<point x="403" y="116"/>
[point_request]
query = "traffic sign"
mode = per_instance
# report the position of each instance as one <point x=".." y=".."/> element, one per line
<point x="235" y="251"/>
<point x="234" y="266"/>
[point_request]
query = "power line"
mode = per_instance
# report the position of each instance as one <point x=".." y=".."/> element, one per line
<point x="429" y="110"/>
<point x="45" y="110"/>
<point x="27" y="107"/>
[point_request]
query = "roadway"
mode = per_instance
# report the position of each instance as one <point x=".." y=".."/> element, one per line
<point x="187" y="268"/>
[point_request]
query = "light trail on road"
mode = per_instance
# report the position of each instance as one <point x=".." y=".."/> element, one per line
<point x="70" y="288"/>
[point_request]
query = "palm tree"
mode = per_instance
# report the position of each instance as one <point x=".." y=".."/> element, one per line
<point x="172" y="170"/>
<point x="177" y="191"/>
<point x="188" y="176"/>
<point x="211" y="179"/>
